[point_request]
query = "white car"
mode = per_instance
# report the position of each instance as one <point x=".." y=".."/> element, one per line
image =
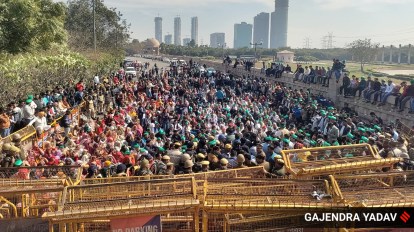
<point x="130" y="71"/>
<point x="182" y="62"/>
<point x="166" y="60"/>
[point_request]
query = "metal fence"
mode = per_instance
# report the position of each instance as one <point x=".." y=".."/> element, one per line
<point x="323" y="161"/>
<point x="392" y="189"/>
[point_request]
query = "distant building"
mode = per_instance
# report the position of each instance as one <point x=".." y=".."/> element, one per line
<point x="194" y="29"/>
<point x="186" y="41"/>
<point x="177" y="31"/>
<point x="261" y="29"/>
<point x="168" y="39"/>
<point x="152" y="46"/>
<point x="158" y="28"/>
<point x="242" y="35"/>
<point x="285" y="56"/>
<point x="217" y="39"/>
<point x="279" y="24"/>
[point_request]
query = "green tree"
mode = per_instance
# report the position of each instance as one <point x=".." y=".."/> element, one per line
<point x="363" y="51"/>
<point x="30" y="25"/>
<point x="112" y="32"/>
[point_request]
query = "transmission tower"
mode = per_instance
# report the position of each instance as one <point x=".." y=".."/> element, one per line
<point x="330" y="40"/>
<point x="306" y="43"/>
<point x="324" y="42"/>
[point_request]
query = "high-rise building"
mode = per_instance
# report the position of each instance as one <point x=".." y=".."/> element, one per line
<point x="168" y="39"/>
<point x="279" y="24"/>
<point x="242" y="35"/>
<point x="186" y="41"/>
<point x="217" y="39"/>
<point x="177" y="31"/>
<point x="158" y="29"/>
<point x="194" y="29"/>
<point x="261" y="29"/>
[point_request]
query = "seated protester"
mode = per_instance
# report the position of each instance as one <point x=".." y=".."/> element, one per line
<point x="354" y="85"/>
<point x="311" y="76"/>
<point x="361" y="86"/>
<point x="327" y="77"/>
<point x="288" y="69"/>
<point x="399" y="95"/>
<point x="299" y="73"/>
<point x="392" y="90"/>
<point x="321" y="75"/>
<point x="378" y="94"/>
<point x="375" y="88"/>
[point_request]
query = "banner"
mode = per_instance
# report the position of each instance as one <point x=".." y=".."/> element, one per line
<point x="137" y="224"/>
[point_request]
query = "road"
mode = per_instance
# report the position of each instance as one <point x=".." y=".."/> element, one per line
<point x="160" y="64"/>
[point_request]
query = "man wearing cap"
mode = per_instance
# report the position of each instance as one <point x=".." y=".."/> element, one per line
<point x="175" y="154"/>
<point x="199" y="159"/>
<point x="144" y="169"/>
<point x="28" y="111"/>
<point x="205" y="166"/>
<point x="223" y="164"/>
<point x="333" y="132"/>
<point x="227" y="151"/>
<point x="240" y="161"/>
<point x="162" y="167"/>
<point x="278" y="168"/>
<point x="187" y="168"/>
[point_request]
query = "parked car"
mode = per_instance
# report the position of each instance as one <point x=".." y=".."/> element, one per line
<point x="130" y="71"/>
<point x="210" y="72"/>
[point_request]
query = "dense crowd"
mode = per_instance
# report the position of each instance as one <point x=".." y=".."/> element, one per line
<point x="166" y="122"/>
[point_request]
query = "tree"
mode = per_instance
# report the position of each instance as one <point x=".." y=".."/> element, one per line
<point x="112" y="32"/>
<point x="363" y="51"/>
<point x="134" y="47"/>
<point x="30" y="25"/>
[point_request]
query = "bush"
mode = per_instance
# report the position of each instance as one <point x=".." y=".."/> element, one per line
<point x="25" y="74"/>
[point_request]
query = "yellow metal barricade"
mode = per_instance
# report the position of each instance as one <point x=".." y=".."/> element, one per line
<point x="391" y="189"/>
<point x="323" y="161"/>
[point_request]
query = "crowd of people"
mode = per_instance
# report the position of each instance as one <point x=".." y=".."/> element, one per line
<point x="168" y="123"/>
<point x="377" y="92"/>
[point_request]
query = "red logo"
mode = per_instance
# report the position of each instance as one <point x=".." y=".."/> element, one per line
<point x="405" y="217"/>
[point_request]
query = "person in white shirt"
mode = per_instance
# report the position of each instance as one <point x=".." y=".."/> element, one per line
<point x="28" y="112"/>
<point x="96" y="79"/>
<point x="389" y="90"/>
<point x="40" y="123"/>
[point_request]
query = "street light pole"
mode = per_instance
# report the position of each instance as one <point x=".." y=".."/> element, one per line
<point x="255" y="48"/>
<point x="94" y="25"/>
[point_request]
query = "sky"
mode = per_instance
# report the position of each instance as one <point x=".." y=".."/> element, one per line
<point x="384" y="21"/>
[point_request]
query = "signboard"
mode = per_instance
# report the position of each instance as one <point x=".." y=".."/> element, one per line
<point x="144" y="224"/>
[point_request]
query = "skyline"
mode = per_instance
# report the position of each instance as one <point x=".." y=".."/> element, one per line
<point x="384" y="21"/>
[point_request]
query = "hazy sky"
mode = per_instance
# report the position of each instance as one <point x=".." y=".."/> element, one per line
<point x="385" y="21"/>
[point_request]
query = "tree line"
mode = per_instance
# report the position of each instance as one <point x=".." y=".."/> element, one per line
<point x="45" y="43"/>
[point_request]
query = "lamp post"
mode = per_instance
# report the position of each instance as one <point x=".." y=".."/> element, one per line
<point x="255" y="48"/>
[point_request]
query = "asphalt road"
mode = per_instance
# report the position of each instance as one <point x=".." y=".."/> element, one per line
<point x="160" y="64"/>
